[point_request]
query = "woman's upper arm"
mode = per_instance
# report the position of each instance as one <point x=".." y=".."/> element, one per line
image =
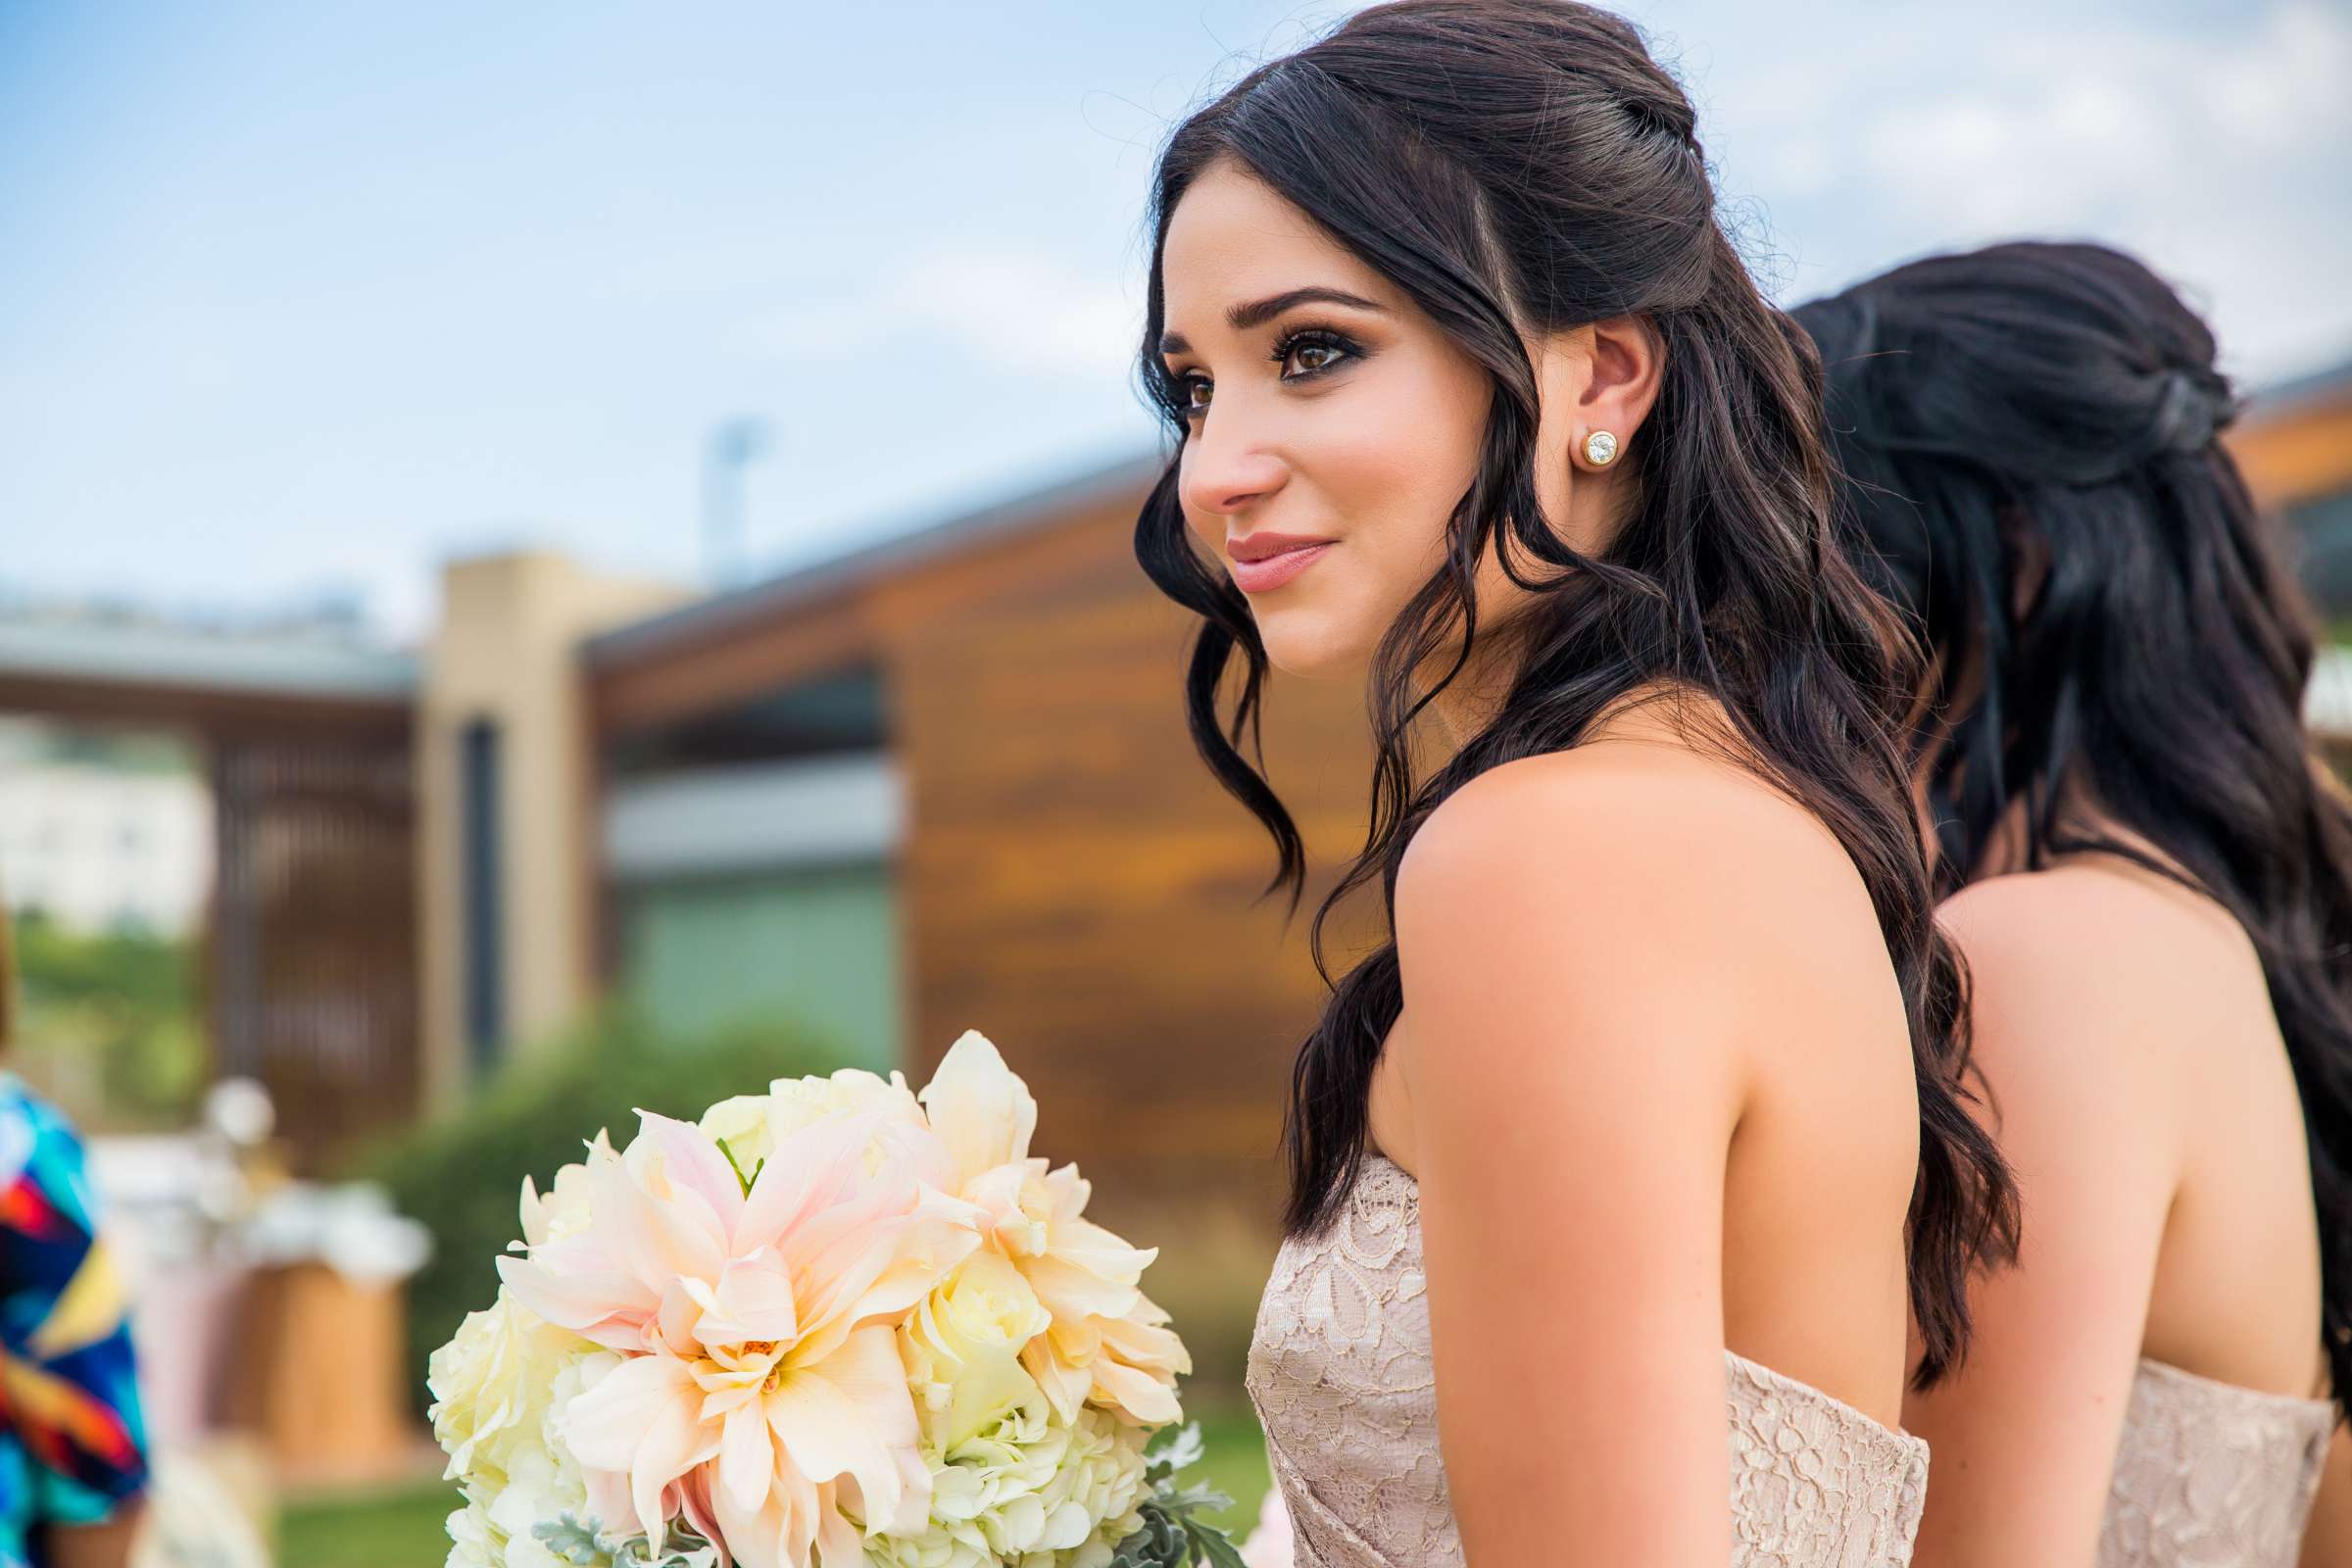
<point x="2023" y="1435"/>
<point x="2327" y="1544"/>
<point x="1571" y="1044"/>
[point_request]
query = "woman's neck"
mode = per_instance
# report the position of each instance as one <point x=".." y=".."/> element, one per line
<point x="1467" y="703"/>
<point x="2081" y="818"/>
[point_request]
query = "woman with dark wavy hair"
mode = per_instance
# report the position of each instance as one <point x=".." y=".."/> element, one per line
<point x="2150" y="879"/>
<point x="1646" y="1120"/>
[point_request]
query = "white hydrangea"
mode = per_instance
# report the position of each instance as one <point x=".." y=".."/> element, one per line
<point x="1028" y="1492"/>
<point x="497" y="1388"/>
<point x="1102" y="1475"/>
<point x="470" y="1537"/>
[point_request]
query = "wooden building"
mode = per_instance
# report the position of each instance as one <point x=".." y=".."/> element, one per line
<point x="2295" y="449"/>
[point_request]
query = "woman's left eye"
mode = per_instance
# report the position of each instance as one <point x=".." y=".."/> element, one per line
<point x="1312" y="351"/>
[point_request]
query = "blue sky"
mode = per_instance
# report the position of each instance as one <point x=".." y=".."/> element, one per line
<point x="301" y="299"/>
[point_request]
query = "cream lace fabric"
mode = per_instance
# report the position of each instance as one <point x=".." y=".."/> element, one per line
<point x="2212" y="1476"/>
<point x="1339" y="1371"/>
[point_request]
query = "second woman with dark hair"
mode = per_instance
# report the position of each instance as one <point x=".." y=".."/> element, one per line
<point x="1647" y="1119"/>
<point x="2152" y="884"/>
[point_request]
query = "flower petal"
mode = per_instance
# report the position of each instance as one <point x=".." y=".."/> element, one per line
<point x="1100" y="1251"/>
<point x="849" y="1415"/>
<point x="641" y="1417"/>
<point x="978" y="1106"/>
<point x="1145" y="1398"/>
<point x="809" y="1172"/>
<point x="752" y="1300"/>
<point x="880" y="1273"/>
<point x="693" y="1160"/>
<point x="1071" y="1293"/>
<point x="779" y="1531"/>
<point x="572" y="1286"/>
<point x="660" y="1225"/>
<point x="1143" y="1342"/>
<point x="747" y="1457"/>
<point x="1066" y="1387"/>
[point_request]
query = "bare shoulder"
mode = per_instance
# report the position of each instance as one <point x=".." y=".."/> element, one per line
<point x="2098" y="947"/>
<point x="1613" y="960"/>
<point x="1609" y="824"/>
<point x="1651" y="893"/>
<point x="2085" y="985"/>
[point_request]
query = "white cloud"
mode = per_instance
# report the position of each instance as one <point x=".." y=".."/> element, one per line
<point x="1012" y="307"/>
<point x="2221" y="155"/>
<point x="2288" y="85"/>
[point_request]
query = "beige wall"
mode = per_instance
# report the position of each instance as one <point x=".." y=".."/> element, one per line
<point x="505" y="651"/>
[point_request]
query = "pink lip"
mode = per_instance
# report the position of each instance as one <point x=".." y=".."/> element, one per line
<point x="1272" y="572"/>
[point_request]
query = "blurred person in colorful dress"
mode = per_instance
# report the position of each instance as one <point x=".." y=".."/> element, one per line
<point x="73" y="1443"/>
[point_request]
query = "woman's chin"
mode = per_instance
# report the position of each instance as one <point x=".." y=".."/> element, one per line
<point x="1309" y="647"/>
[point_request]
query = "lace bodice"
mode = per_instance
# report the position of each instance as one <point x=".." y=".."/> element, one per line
<point x="1339" y="1371"/>
<point x="2209" y="1474"/>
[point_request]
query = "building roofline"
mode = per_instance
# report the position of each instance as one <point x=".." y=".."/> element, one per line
<point x="916" y="544"/>
<point x="131" y="654"/>
<point x="2297" y="392"/>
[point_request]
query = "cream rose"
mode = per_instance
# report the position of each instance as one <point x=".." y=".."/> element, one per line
<point x="962" y="1348"/>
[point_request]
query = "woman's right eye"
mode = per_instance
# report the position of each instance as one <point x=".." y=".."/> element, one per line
<point x="1192" y="395"/>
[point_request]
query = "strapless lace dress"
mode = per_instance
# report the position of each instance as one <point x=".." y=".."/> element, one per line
<point x="2210" y="1474"/>
<point x="1340" y="1373"/>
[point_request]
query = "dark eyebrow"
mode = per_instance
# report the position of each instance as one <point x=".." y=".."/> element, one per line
<point x="1257" y="312"/>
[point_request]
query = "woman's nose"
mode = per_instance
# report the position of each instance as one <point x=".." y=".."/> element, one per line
<point x="1225" y="472"/>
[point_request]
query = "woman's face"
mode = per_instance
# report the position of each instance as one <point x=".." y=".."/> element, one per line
<point x="1333" y="425"/>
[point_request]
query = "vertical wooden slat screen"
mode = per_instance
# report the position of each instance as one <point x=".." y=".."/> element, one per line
<point x="313" y="957"/>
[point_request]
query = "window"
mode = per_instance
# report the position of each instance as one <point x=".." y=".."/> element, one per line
<point x="484" y="952"/>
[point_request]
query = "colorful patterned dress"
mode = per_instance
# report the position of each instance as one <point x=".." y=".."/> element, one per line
<point x="72" y="1441"/>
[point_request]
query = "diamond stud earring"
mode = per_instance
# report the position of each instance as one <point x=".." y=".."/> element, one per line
<point x="1600" y="449"/>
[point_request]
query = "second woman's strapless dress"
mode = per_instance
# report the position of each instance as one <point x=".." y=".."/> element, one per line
<point x="1340" y="1372"/>
<point x="2209" y="1474"/>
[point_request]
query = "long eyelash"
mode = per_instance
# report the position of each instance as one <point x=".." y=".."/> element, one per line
<point x="1177" y="390"/>
<point x="1173" y="393"/>
<point x="1322" y="336"/>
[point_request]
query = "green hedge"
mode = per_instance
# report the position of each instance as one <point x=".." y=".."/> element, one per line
<point x="461" y="1174"/>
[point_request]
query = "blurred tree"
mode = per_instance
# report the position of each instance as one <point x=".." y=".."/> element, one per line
<point x="107" y="1023"/>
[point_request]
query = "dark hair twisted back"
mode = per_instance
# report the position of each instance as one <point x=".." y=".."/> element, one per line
<point x="2029" y="431"/>
<point x="1521" y="166"/>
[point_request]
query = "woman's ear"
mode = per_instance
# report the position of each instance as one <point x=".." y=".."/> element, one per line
<point x="1596" y="384"/>
<point x="1623" y="360"/>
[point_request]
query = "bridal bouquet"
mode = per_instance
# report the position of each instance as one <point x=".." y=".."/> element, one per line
<point x="835" y="1324"/>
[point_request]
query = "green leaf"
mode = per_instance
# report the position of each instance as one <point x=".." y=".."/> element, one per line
<point x="738" y="1169"/>
<point x="1178" y="1450"/>
<point x="1189" y="1498"/>
<point x="1213" y="1547"/>
<point x="1161" y="1542"/>
<point x="573" y="1543"/>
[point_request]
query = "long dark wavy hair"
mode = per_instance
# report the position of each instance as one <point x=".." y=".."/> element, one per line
<point x="2030" y="434"/>
<point x="1519" y="168"/>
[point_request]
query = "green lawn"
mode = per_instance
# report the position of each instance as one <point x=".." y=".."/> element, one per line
<point x="402" y="1529"/>
<point x="1234" y="1459"/>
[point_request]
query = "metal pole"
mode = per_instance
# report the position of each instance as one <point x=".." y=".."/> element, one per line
<point x="733" y="445"/>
